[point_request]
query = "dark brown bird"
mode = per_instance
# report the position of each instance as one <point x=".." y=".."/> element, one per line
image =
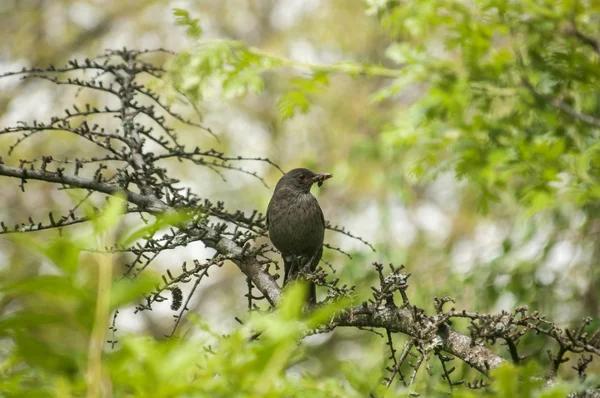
<point x="296" y="224"/>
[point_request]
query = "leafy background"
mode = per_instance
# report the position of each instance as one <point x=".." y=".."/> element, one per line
<point x="444" y="123"/>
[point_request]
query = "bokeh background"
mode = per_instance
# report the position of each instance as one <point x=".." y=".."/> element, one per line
<point x="488" y="261"/>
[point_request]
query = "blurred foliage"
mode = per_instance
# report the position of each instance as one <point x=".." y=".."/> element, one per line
<point x="489" y="109"/>
<point x="492" y="74"/>
<point x="395" y="103"/>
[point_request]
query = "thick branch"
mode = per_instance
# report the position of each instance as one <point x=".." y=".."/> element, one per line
<point x="401" y="320"/>
<point x="247" y="264"/>
<point x="152" y="205"/>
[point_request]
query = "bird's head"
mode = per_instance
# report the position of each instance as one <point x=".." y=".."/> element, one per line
<point x="302" y="179"/>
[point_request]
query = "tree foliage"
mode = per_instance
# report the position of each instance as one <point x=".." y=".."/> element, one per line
<point x="507" y="92"/>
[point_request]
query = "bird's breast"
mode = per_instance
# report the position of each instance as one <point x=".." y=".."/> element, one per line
<point x="296" y="224"/>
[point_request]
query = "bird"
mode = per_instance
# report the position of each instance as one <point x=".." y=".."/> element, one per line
<point x="296" y="224"/>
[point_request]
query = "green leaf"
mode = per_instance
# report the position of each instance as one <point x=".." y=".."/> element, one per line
<point x="50" y="285"/>
<point x="124" y="290"/>
<point x="326" y="313"/>
<point x="290" y="102"/>
<point x="27" y="320"/>
<point x="293" y="300"/>
<point x="182" y="18"/>
<point x="61" y="251"/>
<point x="164" y="220"/>
<point x="110" y="216"/>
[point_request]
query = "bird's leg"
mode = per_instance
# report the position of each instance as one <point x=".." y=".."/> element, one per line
<point x="299" y="265"/>
<point x="291" y="268"/>
<point x="306" y="265"/>
<point x="298" y="268"/>
<point x="307" y="269"/>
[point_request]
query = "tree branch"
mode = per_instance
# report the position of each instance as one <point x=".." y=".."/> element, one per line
<point x="562" y="106"/>
<point x="402" y="320"/>
<point x="152" y="205"/>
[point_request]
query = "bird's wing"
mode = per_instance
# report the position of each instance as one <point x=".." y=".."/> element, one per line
<point x="321" y="214"/>
<point x="267" y="215"/>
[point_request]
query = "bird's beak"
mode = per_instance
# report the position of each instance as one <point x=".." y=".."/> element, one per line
<point x="321" y="177"/>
